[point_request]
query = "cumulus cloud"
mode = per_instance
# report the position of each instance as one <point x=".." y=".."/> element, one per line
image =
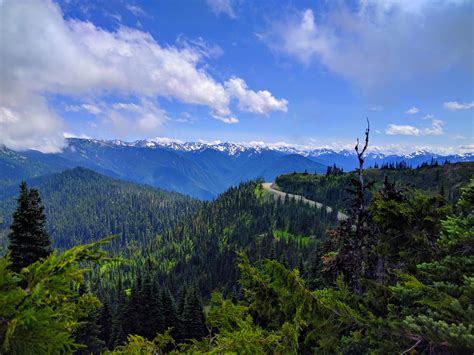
<point x="436" y="129"/>
<point x="454" y="105"/>
<point x="222" y="6"/>
<point x="412" y="111"/>
<point x="142" y="118"/>
<point x="405" y="130"/>
<point x="261" y="102"/>
<point x="76" y="58"/>
<point x="31" y="125"/>
<point x="379" y="42"/>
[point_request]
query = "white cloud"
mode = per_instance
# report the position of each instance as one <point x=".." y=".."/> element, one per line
<point x="76" y="58"/>
<point x="412" y="111"/>
<point x="454" y="105"/>
<point x="388" y="149"/>
<point x="228" y="120"/>
<point x="436" y="129"/>
<point x="73" y="135"/>
<point x="92" y="109"/>
<point x="261" y="102"/>
<point x="126" y="106"/>
<point x="135" y="9"/>
<point x="379" y="43"/>
<point x="31" y="125"/>
<point x="375" y="107"/>
<point x="404" y="130"/>
<point x="144" y="117"/>
<point x="222" y="6"/>
<point x="468" y="148"/>
<point x="166" y="140"/>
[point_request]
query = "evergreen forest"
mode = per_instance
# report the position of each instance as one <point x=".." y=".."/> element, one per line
<point x="97" y="265"/>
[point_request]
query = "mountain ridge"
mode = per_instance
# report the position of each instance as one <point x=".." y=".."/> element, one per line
<point x="199" y="169"/>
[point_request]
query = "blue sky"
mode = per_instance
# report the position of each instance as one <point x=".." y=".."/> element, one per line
<point x="300" y="72"/>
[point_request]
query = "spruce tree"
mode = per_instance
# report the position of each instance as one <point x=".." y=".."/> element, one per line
<point x="88" y="334"/>
<point x="118" y="334"/>
<point x="105" y="323"/>
<point x="169" y="311"/>
<point x="132" y="320"/>
<point x="152" y="318"/>
<point x="193" y="321"/>
<point x="28" y="238"/>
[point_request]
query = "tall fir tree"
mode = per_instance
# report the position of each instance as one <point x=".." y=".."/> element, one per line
<point x="105" y="323"/>
<point x="192" y="320"/>
<point x="29" y="240"/>
<point x="88" y="334"/>
<point x="152" y="318"/>
<point x="169" y="311"/>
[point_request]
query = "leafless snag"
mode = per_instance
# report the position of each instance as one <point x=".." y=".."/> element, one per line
<point x="360" y="157"/>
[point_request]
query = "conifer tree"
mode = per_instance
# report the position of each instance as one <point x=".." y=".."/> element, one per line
<point x="193" y="322"/>
<point x="118" y="334"/>
<point x="133" y="312"/>
<point x="105" y="323"/>
<point x="89" y="333"/>
<point x="29" y="240"/>
<point x="438" y="303"/>
<point x="151" y="311"/>
<point x="168" y="311"/>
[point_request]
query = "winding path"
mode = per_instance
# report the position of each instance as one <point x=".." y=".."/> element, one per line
<point x="273" y="188"/>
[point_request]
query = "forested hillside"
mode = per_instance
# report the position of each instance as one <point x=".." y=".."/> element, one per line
<point x="82" y="206"/>
<point x="284" y="285"/>
<point x="379" y="284"/>
<point x="332" y="188"/>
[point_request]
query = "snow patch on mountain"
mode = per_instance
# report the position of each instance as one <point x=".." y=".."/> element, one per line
<point x="257" y="147"/>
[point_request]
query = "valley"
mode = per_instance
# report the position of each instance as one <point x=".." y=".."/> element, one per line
<point x="236" y="177"/>
<point x="201" y="170"/>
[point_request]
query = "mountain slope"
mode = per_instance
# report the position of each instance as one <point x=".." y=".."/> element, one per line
<point x="332" y="190"/>
<point x="202" y="250"/>
<point x="202" y="170"/>
<point x="15" y="166"/>
<point x="82" y="206"/>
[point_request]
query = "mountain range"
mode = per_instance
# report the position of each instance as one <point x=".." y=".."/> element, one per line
<point x="201" y="170"/>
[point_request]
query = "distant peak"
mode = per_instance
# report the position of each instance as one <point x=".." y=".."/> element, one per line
<point x="256" y="147"/>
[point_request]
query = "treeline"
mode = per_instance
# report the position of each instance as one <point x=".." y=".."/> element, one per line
<point x="332" y="188"/>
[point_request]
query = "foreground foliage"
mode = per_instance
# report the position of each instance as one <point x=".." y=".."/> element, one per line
<point x="428" y="310"/>
<point x="396" y="277"/>
<point x="40" y="306"/>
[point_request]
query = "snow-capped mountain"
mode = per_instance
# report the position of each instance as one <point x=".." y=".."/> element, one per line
<point x="200" y="169"/>
<point x="235" y="149"/>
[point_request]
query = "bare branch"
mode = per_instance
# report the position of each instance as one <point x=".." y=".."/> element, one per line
<point x="413" y="346"/>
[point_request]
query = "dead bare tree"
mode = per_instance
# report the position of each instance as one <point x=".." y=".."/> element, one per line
<point x="360" y="156"/>
<point x="355" y="233"/>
